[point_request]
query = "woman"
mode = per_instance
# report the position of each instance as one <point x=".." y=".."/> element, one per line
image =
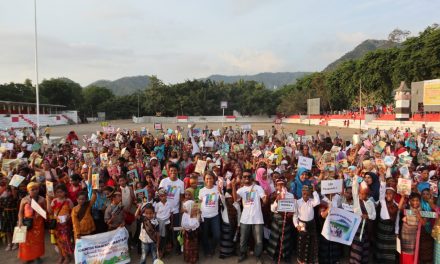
<point x="264" y="182"/>
<point x="229" y="227"/>
<point x="301" y="179"/>
<point x="61" y="208"/>
<point x="33" y="248"/>
<point x="209" y="197"/>
<point x="372" y="180"/>
<point x="8" y="215"/>
<point x="280" y="220"/>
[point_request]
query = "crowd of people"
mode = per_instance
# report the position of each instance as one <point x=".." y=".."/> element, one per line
<point x="195" y="191"/>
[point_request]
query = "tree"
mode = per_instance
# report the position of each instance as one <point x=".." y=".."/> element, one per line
<point x="94" y="98"/>
<point x="62" y="91"/>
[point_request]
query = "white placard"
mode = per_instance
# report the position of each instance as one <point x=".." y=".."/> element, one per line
<point x="341" y="226"/>
<point x="331" y="186"/>
<point x="260" y="133"/>
<point x="200" y="167"/>
<point x="286" y="205"/>
<point x="209" y="144"/>
<point x="216" y="133"/>
<point x="38" y="208"/>
<point x="304" y="162"/>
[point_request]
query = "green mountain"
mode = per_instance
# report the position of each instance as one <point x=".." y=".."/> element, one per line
<point x="271" y="80"/>
<point x="125" y="85"/>
<point x="360" y="50"/>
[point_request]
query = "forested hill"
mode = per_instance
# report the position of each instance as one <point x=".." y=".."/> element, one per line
<point x="360" y="50"/>
<point x="125" y="85"/>
<point x="271" y="80"/>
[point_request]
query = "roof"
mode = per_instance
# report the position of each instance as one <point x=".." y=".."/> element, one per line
<point x="403" y="87"/>
<point x="27" y="103"/>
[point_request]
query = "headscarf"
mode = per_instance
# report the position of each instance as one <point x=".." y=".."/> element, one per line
<point x="31" y="185"/>
<point x="297" y="187"/>
<point x="426" y="207"/>
<point x="375" y="186"/>
<point x="265" y="184"/>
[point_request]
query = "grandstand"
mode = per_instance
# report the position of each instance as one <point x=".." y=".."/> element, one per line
<point x="22" y="114"/>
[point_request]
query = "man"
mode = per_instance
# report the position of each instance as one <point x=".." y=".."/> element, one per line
<point x="175" y="190"/>
<point x="252" y="216"/>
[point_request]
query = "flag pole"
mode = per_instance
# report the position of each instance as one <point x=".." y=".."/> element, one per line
<point x="37" y="90"/>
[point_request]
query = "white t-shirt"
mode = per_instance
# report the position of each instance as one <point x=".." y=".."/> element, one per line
<point x="174" y="190"/>
<point x="209" y="201"/>
<point x="251" y="196"/>
<point x="163" y="211"/>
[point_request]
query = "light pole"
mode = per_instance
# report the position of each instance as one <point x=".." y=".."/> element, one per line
<point x="37" y="90"/>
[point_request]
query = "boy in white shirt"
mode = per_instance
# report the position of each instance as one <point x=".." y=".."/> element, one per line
<point x="163" y="213"/>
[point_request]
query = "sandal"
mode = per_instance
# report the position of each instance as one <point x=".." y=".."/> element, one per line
<point x="14" y="246"/>
<point x="8" y="247"/>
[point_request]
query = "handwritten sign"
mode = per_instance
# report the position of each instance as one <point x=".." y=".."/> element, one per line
<point x="304" y="162"/>
<point x="286" y="205"/>
<point x="331" y="186"/>
<point x="38" y="208"/>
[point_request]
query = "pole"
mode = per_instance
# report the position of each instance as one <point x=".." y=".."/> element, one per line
<point x="223" y="118"/>
<point x="138" y="105"/>
<point x="360" y="104"/>
<point x="37" y="90"/>
<point x="282" y="238"/>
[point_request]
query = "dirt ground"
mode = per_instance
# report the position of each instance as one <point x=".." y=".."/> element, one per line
<point x="86" y="129"/>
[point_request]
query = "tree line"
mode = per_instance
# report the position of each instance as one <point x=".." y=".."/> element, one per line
<point x="378" y="72"/>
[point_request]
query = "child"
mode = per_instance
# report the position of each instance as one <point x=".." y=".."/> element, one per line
<point x="61" y="207"/>
<point x="304" y="221"/>
<point x="409" y="230"/>
<point x="149" y="235"/>
<point x="9" y="215"/>
<point x="82" y="219"/>
<point x="163" y="213"/>
<point x="114" y="213"/>
<point x="190" y="224"/>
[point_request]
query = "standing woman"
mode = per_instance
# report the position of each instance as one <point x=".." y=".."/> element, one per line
<point x="426" y="240"/>
<point x="209" y="197"/>
<point x="61" y="208"/>
<point x="33" y="248"/>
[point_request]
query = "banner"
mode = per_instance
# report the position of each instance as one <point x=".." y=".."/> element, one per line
<point x="109" y="247"/>
<point x="340" y="226"/>
<point x="431" y="92"/>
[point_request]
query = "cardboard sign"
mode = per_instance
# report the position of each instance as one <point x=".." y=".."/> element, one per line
<point x="104" y="158"/>
<point x="331" y="186"/>
<point x="38" y="208"/>
<point x="256" y="153"/>
<point x="200" y="167"/>
<point x="216" y="133"/>
<point x="133" y="176"/>
<point x="356" y="139"/>
<point x="209" y="144"/>
<point x="49" y="188"/>
<point x="425" y="214"/>
<point x="16" y="180"/>
<point x="246" y="127"/>
<point x="8" y="146"/>
<point x="157" y="126"/>
<point x="260" y="133"/>
<point x="286" y="205"/>
<point x="404" y="186"/>
<point x="304" y="162"/>
<point x="95" y="181"/>
<point x="340" y="226"/>
<point x="389" y="160"/>
<point x="301" y="132"/>
<point x="19" y="234"/>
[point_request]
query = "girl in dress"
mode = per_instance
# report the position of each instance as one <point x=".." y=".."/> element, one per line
<point x="190" y="225"/>
<point x="61" y="208"/>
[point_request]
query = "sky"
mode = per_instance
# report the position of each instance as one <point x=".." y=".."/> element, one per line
<point x="176" y="40"/>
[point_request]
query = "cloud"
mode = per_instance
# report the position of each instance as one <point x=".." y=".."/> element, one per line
<point x="251" y="61"/>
